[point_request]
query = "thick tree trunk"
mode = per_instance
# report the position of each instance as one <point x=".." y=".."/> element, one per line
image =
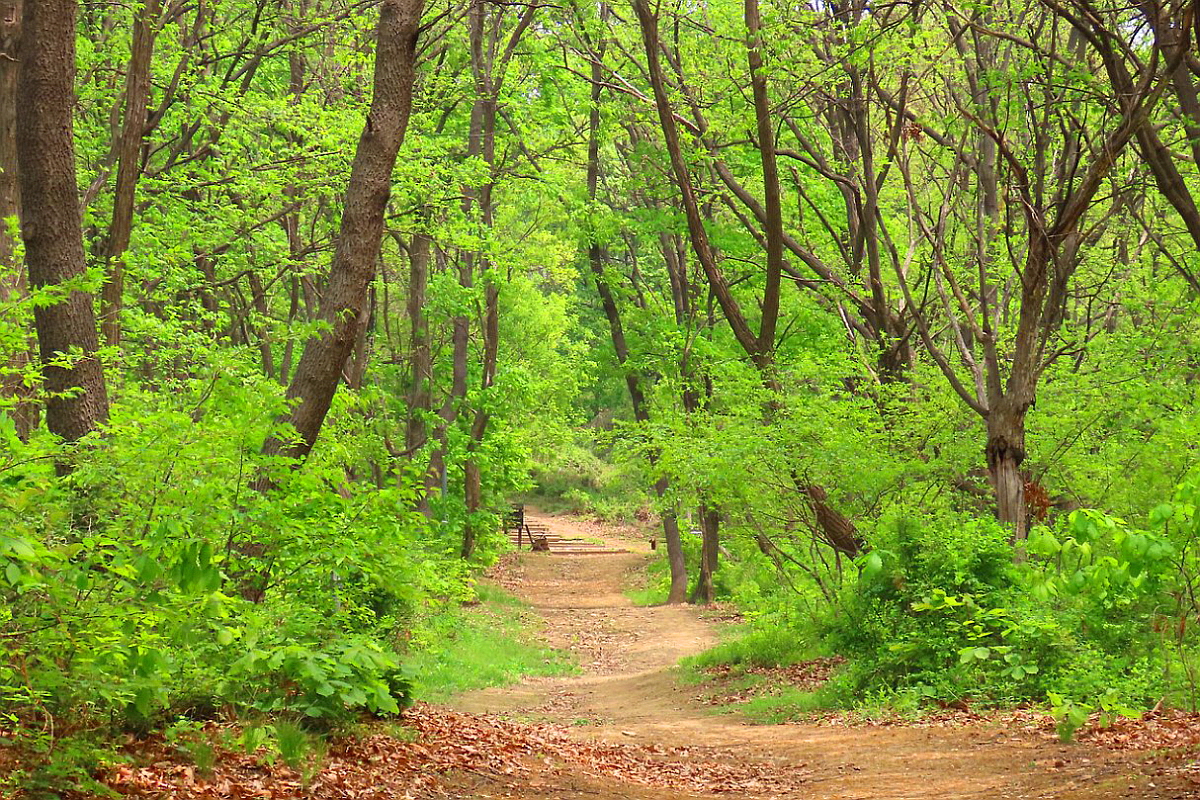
<point x="344" y="301"/>
<point x="12" y="276"/>
<point x="50" y="222"/>
<point x="137" y="98"/>
<point x="1005" y="452"/>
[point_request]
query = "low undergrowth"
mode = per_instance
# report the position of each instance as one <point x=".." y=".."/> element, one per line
<point x="1091" y="617"/>
<point x="479" y="646"/>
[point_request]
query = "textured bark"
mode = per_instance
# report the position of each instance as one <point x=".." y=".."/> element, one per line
<point x="830" y="524"/>
<point x="137" y="98"/>
<point x="50" y="222"/>
<point x="1005" y="452"/>
<point x="345" y="298"/>
<point x="12" y="276"/>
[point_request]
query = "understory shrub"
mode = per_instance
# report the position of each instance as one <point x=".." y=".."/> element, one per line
<point x="155" y="583"/>
<point x="1092" y="612"/>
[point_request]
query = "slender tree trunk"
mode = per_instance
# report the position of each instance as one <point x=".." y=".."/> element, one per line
<point x="50" y="221"/>
<point x="258" y="297"/>
<point x="774" y="203"/>
<point x="598" y="257"/>
<point x="344" y="302"/>
<point x="460" y="339"/>
<point x="12" y="276"/>
<point x="489" y="68"/>
<point x="710" y="552"/>
<point x="137" y="98"/>
<point x="675" y="559"/>
<point x="420" y="393"/>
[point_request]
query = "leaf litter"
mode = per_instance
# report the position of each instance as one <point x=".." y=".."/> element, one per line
<point x="380" y="766"/>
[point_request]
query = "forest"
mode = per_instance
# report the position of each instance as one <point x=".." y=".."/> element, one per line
<point x="879" y="319"/>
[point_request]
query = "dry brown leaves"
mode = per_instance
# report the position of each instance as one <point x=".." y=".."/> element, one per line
<point x="380" y="766"/>
<point x="1155" y="730"/>
<point x="701" y="770"/>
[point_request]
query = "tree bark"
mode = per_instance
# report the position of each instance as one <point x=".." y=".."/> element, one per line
<point x="757" y="347"/>
<point x="12" y="276"/>
<point x="345" y="298"/>
<point x="1005" y="452"/>
<point x="675" y="558"/>
<point x="710" y="552"/>
<point x="774" y="204"/>
<point x="51" y="227"/>
<point x="137" y="98"/>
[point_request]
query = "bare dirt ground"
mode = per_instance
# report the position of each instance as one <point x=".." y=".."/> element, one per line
<point x="628" y="697"/>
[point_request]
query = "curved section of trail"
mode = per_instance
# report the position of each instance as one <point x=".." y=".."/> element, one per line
<point x="628" y="694"/>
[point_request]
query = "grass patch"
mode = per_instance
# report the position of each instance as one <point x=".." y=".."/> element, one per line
<point x="475" y="647"/>
<point x="756" y="646"/>
<point x="787" y="704"/>
<point x="651" y="586"/>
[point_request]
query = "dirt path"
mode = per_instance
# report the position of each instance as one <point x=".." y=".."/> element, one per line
<point x="628" y="694"/>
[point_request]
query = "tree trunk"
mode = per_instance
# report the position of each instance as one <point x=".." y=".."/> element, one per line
<point x="710" y="552"/>
<point x="344" y="301"/>
<point x="50" y="221"/>
<point x="774" y="204"/>
<point x="597" y="257"/>
<point x="670" y="522"/>
<point x="258" y="298"/>
<point x="1005" y="452"/>
<point x="137" y="98"/>
<point x="12" y="276"/>
<point x="420" y="393"/>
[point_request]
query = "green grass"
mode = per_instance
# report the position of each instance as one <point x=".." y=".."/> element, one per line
<point x="787" y="704"/>
<point x="474" y="647"/>
<point x="653" y="584"/>
<point x="756" y="646"/>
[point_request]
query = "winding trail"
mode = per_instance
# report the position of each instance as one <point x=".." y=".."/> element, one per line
<point x="629" y="694"/>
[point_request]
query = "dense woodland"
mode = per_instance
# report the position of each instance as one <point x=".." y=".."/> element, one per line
<point x="884" y="314"/>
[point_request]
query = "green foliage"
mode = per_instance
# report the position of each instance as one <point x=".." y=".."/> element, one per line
<point x="940" y="612"/>
<point x="479" y="646"/>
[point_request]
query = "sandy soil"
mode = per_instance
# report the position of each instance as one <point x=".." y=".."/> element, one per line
<point x="628" y="694"/>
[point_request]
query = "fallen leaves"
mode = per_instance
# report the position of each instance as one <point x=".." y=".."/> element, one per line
<point x="380" y="766"/>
